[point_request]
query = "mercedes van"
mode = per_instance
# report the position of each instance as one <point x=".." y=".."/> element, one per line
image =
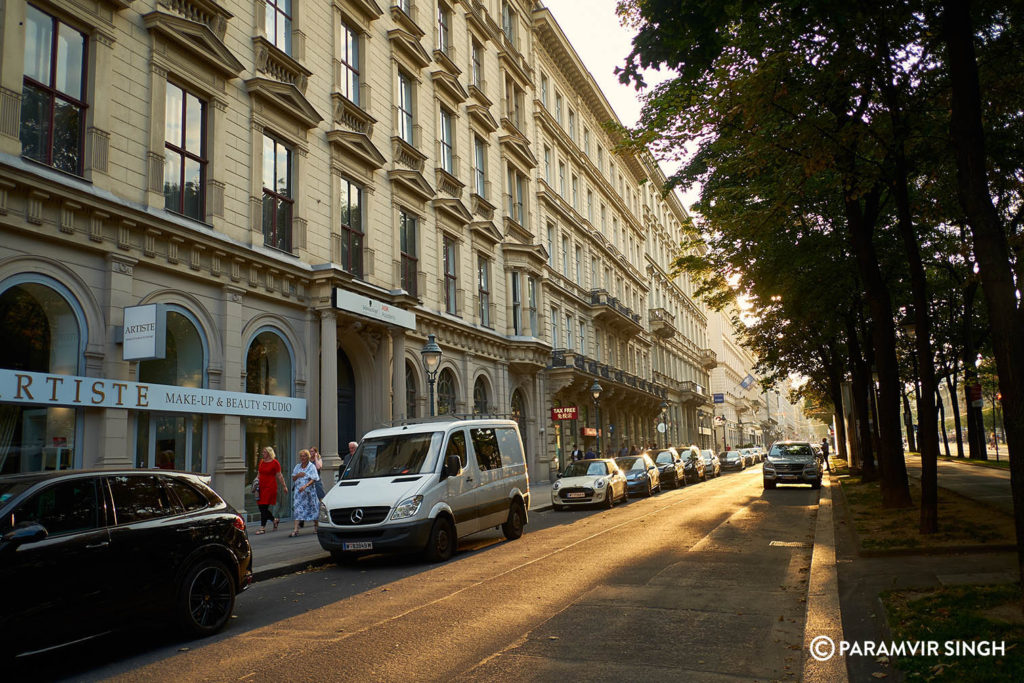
<point x="421" y="487"/>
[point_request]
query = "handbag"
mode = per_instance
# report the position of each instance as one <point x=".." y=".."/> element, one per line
<point x="255" y="487"/>
<point x="320" y="490"/>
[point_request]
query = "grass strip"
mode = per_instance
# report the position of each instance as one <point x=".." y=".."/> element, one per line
<point x="951" y="616"/>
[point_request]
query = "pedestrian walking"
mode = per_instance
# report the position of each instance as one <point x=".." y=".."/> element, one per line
<point x="577" y="453"/>
<point x="269" y="474"/>
<point x="590" y="454"/>
<point x="824" y="453"/>
<point x="305" y="504"/>
<point x="316" y="459"/>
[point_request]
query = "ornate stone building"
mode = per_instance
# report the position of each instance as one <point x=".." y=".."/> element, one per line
<point x="291" y="196"/>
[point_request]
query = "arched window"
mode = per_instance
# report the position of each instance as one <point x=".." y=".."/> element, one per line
<point x="446" y="392"/>
<point x="480" y="402"/>
<point x="410" y="390"/>
<point x="268" y="371"/>
<point x="41" y="332"/>
<point x="174" y="440"/>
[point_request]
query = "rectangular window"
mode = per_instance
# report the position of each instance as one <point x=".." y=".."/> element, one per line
<point x="604" y="216"/>
<point x="447" y="159"/>
<point x="279" y="24"/>
<point x="477" y="59"/>
<point x="508" y="22"/>
<point x="484" y="284"/>
<point x="586" y="141"/>
<point x="405" y="107"/>
<point x="52" y="128"/>
<point x="593" y="273"/>
<point x="551" y="245"/>
<point x="558" y="108"/>
<point x="575" y="192"/>
<point x="405" y="6"/>
<point x="554" y="328"/>
<point x="444" y="21"/>
<point x="544" y="90"/>
<point x="590" y="206"/>
<point x="572" y="125"/>
<point x="451" y="277"/>
<point x="351" y="227"/>
<point x="579" y="265"/>
<point x="408" y="241"/>
<point x="278" y="197"/>
<point x="600" y="159"/>
<point x="185" y="153"/>
<point x="583" y="337"/>
<point x="514" y="97"/>
<point x="516" y="196"/>
<point x="565" y="256"/>
<point x="350" y="64"/>
<point x="480" y="166"/>
<point x="568" y="331"/>
<point x="547" y="164"/>
<point x="517" y="303"/>
<point x="561" y="179"/>
<point x="532" y="303"/>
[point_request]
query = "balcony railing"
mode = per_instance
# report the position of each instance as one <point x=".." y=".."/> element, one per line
<point x="662" y="322"/>
<point x="568" y="358"/>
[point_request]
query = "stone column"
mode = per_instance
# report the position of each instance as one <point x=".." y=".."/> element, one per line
<point x="226" y="457"/>
<point x="398" y="388"/>
<point x="329" y="393"/>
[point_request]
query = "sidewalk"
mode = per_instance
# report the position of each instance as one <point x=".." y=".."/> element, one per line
<point x="275" y="554"/>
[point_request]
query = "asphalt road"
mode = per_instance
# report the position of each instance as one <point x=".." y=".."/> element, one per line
<point x="983" y="484"/>
<point x="708" y="582"/>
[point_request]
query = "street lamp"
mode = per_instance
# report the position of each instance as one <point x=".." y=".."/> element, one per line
<point x="664" y="408"/>
<point x="595" y="391"/>
<point x="431" y="354"/>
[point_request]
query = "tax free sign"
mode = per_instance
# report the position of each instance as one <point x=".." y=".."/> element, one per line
<point x="38" y="388"/>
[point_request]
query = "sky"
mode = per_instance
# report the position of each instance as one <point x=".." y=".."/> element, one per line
<point x="602" y="43"/>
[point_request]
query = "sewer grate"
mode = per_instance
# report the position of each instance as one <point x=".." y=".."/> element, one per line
<point x="790" y="544"/>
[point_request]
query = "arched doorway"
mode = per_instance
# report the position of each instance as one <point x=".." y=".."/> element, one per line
<point x="446" y="396"/>
<point x="346" y="402"/>
<point x="268" y="371"/>
<point x="519" y="415"/>
<point x="481" y="404"/>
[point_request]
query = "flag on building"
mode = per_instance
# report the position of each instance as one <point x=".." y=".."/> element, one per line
<point x="747" y="381"/>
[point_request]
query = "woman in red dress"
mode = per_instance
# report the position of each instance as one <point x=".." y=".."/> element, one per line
<point x="269" y="476"/>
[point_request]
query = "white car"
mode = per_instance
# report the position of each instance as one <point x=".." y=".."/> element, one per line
<point x="589" y="481"/>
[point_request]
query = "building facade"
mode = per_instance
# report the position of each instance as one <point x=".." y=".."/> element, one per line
<point x="283" y="199"/>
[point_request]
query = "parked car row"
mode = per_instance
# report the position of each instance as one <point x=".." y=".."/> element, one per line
<point x="606" y="481"/>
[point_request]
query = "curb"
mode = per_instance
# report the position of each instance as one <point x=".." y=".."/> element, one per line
<point x="824" y="616"/>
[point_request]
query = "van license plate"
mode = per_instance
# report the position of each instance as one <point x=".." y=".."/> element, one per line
<point x="362" y="545"/>
<point x="576" y="495"/>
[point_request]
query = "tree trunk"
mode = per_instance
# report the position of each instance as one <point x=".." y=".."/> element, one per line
<point x="861" y="382"/>
<point x="908" y="423"/>
<point x="835" y="390"/>
<point x="951" y="385"/>
<point x="991" y="249"/>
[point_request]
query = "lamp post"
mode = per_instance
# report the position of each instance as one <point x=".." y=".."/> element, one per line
<point x="595" y="391"/>
<point x="664" y="409"/>
<point x="431" y="354"/>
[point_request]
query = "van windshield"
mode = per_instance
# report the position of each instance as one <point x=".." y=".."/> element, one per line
<point x="387" y="456"/>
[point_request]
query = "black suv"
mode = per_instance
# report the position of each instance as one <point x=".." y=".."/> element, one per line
<point x="670" y="466"/>
<point x="82" y="552"/>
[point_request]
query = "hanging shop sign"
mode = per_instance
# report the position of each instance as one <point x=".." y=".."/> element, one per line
<point x="144" y="332"/>
<point x="371" y="308"/>
<point x="590" y="431"/>
<point x="718" y="398"/>
<point x="565" y="413"/>
<point x="38" y="388"/>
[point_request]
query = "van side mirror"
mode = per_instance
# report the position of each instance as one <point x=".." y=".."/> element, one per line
<point x="452" y="465"/>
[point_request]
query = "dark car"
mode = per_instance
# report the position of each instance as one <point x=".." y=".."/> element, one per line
<point x="712" y="465"/>
<point x="732" y="460"/>
<point x="693" y="464"/>
<point x="85" y="552"/>
<point x="641" y="474"/>
<point x="670" y="466"/>
<point x="792" y="462"/>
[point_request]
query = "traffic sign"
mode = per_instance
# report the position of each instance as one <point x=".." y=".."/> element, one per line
<point x="718" y="398"/>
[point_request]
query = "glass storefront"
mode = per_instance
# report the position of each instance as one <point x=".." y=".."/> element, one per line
<point x="174" y="440"/>
<point x="268" y="371"/>
<point x="41" y="332"/>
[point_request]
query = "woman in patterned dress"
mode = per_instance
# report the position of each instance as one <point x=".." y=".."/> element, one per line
<point x="305" y="504"/>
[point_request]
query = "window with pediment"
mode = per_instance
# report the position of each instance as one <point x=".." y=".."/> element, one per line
<point x="352" y="227"/>
<point x="405" y="104"/>
<point x="185" y="159"/>
<point x="278" y="196"/>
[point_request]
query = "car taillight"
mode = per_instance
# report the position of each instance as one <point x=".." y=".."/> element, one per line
<point x="239" y="523"/>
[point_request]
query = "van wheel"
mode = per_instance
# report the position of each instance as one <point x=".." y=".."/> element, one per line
<point x="513" y="528"/>
<point x="206" y="598"/>
<point x="441" y="544"/>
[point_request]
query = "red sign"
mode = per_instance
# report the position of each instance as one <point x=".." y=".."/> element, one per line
<point x="590" y="431"/>
<point x="974" y="393"/>
<point x="566" y="413"/>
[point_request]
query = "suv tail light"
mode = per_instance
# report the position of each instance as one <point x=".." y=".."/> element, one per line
<point x="239" y="523"/>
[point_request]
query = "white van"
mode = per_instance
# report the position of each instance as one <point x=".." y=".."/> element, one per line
<point x="423" y="486"/>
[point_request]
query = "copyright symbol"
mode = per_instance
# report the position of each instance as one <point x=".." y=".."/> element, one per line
<point x="822" y="648"/>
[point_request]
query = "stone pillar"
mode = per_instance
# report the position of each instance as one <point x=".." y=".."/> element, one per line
<point x="329" y="394"/>
<point x="398" y="388"/>
<point x="226" y="457"/>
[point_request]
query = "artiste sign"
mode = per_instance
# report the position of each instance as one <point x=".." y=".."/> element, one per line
<point x="39" y="388"/>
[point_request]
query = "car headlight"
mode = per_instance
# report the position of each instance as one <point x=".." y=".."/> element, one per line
<point x="407" y="508"/>
<point x="599" y="484"/>
<point x="768" y="468"/>
<point x="324" y="516"/>
<point x="557" y="485"/>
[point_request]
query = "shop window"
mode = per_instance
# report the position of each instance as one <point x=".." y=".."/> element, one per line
<point x="268" y="371"/>
<point x="173" y="440"/>
<point x="41" y="333"/>
<point x="53" y="92"/>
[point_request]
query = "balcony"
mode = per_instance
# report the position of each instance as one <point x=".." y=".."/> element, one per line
<point x="663" y="323"/>
<point x="691" y="392"/>
<point x="570" y="368"/>
<point x="708" y="359"/>
<point x="611" y="312"/>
